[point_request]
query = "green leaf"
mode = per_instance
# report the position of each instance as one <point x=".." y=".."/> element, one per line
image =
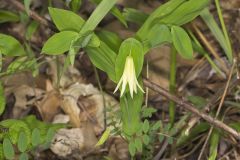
<point x="184" y="13"/>
<point x="111" y="39"/>
<point x="75" y="5"/>
<point x="8" y="149"/>
<point x="102" y="9"/>
<point x="50" y="134"/>
<point x="135" y="16"/>
<point x="2" y="99"/>
<point x="182" y="42"/>
<point x="66" y="20"/>
<point x="157" y="125"/>
<point x="9" y="46"/>
<point x="103" y="58"/>
<point x="158" y="35"/>
<point x="104" y="137"/>
<point x="138" y="144"/>
<point x="36" y="137"/>
<point x="7" y="16"/>
<point x="115" y="11"/>
<point x="217" y="32"/>
<point x="59" y="43"/>
<point x="163" y="10"/>
<point x="131" y="110"/>
<point x="128" y="47"/>
<point x="31" y="29"/>
<point x="132" y="149"/>
<point x="145" y="126"/>
<point x="161" y="138"/>
<point x="197" y="101"/>
<point x="1" y="152"/>
<point x="22" y="142"/>
<point x="147" y="112"/>
<point x="146" y="139"/>
<point x="214" y="141"/>
<point x="23" y="156"/>
<point x="27" y="4"/>
<point x="170" y="140"/>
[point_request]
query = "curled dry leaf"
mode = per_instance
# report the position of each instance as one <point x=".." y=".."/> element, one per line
<point x="74" y="141"/>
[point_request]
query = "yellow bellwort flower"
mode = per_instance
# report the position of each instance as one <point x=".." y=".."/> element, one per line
<point x="128" y="77"/>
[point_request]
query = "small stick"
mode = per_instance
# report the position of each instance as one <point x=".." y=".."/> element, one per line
<point x="32" y="14"/>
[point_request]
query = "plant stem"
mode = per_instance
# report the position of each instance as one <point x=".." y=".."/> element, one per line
<point x="172" y="85"/>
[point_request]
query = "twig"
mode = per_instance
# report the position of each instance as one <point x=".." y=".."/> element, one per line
<point x="189" y="107"/>
<point x="32" y="14"/>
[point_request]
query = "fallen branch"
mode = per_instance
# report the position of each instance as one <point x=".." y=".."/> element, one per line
<point x="191" y="108"/>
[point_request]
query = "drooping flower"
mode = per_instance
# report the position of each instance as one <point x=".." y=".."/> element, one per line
<point x="128" y="77"/>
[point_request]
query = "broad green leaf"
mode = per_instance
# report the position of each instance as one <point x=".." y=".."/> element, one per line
<point x="8" y="16"/>
<point x="158" y="35"/>
<point x="214" y="141"/>
<point x="132" y="148"/>
<point x="111" y="39"/>
<point x="162" y="11"/>
<point x="138" y="144"/>
<point x="22" y="142"/>
<point x="217" y="32"/>
<point x="182" y="42"/>
<point x="103" y="58"/>
<point x="27" y="4"/>
<point x="145" y="126"/>
<point x="146" y="139"/>
<point x="135" y="16"/>
<point x="66" y="20"/>
<point x="104" y="137"/>
<point x="36" y="137"/>
<point x="23" y="156"/>
<point x="98" y="14"/>
<point x="8" y="149"/>
<point x="59" y="43"/>
<point x="75" y="5"/>
<point x="2" y="99"/>
<point x="128" y="47"/>
<point x="161" y="138"/>
<point x="9" y="46"/>
<point x="185" y="13"/>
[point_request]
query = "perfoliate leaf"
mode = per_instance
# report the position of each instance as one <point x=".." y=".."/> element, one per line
<point x="146" y="139"/>
<point x="145" y="126"/>
<point x="138" y="144"/>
